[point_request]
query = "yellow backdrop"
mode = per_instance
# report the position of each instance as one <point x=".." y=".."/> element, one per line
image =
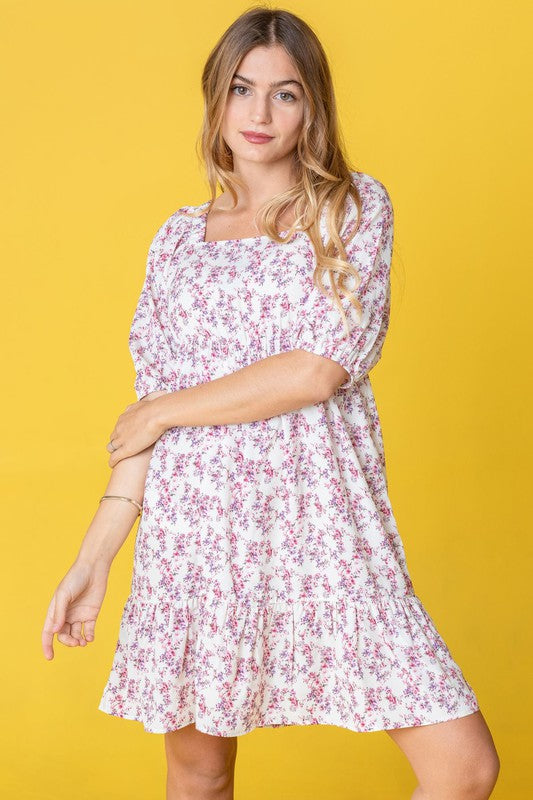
<point x="102" y="106"/>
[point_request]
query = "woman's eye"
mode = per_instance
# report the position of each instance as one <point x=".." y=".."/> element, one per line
<point x="289" y="95"/>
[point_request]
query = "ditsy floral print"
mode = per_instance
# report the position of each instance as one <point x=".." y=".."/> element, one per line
<point x="270" y="585"/>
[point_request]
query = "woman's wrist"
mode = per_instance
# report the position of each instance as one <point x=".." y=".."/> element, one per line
<point x="101" y="545"/>
<point x="107" y="532"/>
<point x="164" y="411"/>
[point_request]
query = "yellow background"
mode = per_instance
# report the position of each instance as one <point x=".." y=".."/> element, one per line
<point x="101" y="107"/>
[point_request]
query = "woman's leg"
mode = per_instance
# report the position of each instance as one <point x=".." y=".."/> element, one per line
<point x="199" y="766"/>
<point x="452" y="760"/>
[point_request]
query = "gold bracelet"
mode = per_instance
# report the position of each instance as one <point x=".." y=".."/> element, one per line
<point x="118" y="497"/>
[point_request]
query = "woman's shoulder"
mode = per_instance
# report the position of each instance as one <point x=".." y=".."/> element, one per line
<point x="178" y="223"/>
<point x="375" y="200"/>
<point x="370" y="188"/>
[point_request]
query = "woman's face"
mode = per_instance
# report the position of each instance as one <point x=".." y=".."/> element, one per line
<point x="255" y="103"/>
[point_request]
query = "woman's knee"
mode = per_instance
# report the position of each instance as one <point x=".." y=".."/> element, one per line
<point x="201" y="757"/>
<point x="483" y="773"/>
<point x="453" y="759"/>
<point x="474" y="783"/>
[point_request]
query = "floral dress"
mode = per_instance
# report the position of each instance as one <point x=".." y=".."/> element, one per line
<point x="270" y="585"/>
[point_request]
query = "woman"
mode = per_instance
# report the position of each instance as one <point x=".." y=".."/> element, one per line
<point x="270" y="586"/>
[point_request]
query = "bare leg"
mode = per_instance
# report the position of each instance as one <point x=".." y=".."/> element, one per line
<point x="452" y="760"/>
<point x="200" y="766"/>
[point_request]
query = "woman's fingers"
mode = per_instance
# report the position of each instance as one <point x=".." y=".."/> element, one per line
<point x="75" y="632"/>
<point x="65" y="637"/>
<point x="55" y="623"/>
<point x="60" y="602"/>
<point x="117" y="455"/>
<point x="89" y="629"/>
<point x="70" y="635"/>
<point x="47" y="637"/>
<point x="74" y="608"/>
<point x="52" y="624"/>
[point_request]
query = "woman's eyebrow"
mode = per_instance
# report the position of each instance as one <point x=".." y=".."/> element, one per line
<point x="274" y="83"/>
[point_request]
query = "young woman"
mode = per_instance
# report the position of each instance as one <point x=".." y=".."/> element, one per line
<point x="270" y="585"/>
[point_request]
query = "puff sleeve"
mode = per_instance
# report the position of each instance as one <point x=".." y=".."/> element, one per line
<point x="320" y="329"/>
<point x="149" y="341"/>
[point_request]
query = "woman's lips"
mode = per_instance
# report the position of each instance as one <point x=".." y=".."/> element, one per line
<point x="256" y="138"/>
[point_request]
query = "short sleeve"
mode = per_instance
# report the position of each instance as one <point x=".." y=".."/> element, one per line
<point x="320" y="329"/>
<point x="149" y="338"/>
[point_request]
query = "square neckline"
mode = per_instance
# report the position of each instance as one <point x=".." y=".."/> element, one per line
<point x="202" y="228"/>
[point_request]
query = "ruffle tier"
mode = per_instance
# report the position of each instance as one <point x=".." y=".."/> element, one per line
<point x="365" y="663"/>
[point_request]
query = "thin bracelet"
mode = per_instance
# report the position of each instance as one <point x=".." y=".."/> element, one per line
<point x="118" y="497"/>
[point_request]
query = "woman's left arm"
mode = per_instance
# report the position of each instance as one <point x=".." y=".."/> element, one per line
<point x="275" y="385"/>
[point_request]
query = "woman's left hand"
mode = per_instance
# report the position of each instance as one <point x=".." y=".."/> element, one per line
<point x="136" y="429"/>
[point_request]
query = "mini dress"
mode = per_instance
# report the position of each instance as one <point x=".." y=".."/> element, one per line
<point x="270" y="584"/>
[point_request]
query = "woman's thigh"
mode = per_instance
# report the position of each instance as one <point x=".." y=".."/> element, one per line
<point x="450" y="757"/>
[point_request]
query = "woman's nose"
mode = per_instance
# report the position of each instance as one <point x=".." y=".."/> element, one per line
<point x="260" y="111"/>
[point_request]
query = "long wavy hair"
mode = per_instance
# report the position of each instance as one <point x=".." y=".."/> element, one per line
<point x="320" y="164"/>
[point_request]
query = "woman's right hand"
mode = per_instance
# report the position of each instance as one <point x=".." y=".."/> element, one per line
<point x="76" y="602"/>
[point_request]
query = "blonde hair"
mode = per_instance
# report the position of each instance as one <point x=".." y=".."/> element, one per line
<point x="322" y="168"/>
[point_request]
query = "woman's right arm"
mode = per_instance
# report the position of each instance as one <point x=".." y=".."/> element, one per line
<point x="79" y="596"/>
